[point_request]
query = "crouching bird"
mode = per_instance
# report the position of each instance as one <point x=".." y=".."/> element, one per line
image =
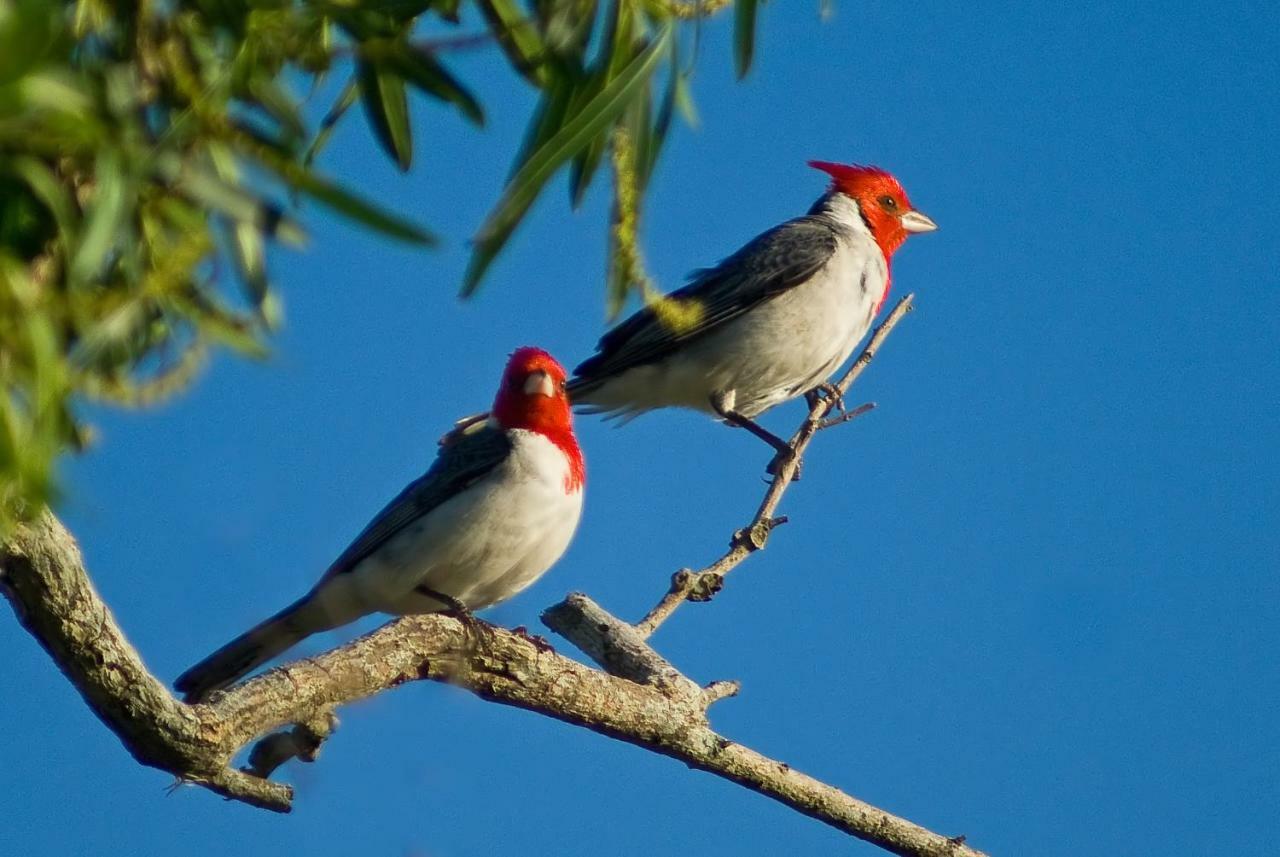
<point x="767" y="324"/>
<point x="492" y="514"/>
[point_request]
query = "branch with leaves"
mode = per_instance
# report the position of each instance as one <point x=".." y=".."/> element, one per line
<point x="150" y="153"/>
<point x="636" y="695"/>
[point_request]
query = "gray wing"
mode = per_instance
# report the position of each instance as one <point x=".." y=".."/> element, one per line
<point x="768" y="265"/>
<point x="465" y="457"/>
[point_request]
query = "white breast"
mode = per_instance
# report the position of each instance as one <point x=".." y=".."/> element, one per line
<point x="776" y="351"/>
<point x="481" y="547"/>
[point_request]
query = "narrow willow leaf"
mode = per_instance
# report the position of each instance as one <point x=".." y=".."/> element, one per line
<point x="106" y="213"/>
<point x="666" y="112"/>
<point x="421" y="69"/>
<point x="641" y="130"/>
<point x="52" y="193"/>
<point x="114" y="331"/>
<point x="594" y="119"/>
<point x="344" y="101"/>
<point x="349" y="205"/>
<point x="387" y="107"/>
<point x="447" y="9"/>
<point x="684" y="102"/>
<point x="518" y="37"/>
<point x="280" y="105"/>
<point x="233" y="201"/>
<point x="218" y="323"/>
<point x="744" y="35"/>
<point x="245" y="238"/>
<point x="616" y="50"/>
<point x="547" y="119"/>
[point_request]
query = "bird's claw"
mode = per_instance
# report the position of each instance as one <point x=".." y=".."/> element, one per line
<point x="539" y="642"/>
<point x="780" y="460"/>
<point x="825" y="391"/>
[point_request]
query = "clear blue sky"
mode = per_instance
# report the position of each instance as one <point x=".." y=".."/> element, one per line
<point x="1031" y="599"/>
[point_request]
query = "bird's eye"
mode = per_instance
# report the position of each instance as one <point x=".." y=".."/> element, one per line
<point x="888" y="202"/>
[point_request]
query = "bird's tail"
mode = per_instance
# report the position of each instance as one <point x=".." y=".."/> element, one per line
<point x="251" y="649"/>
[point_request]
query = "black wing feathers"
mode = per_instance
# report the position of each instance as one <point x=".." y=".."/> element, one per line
<point x="769" y="264"/>
<point x="467" y="457"/>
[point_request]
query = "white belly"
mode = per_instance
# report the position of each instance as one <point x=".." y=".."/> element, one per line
<point x="481" y="547"/>
<point x="776" y="351"/>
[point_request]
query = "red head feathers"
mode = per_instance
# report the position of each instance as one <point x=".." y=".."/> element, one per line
<point x="532" y="397"/>
<point x="883" y="203"/>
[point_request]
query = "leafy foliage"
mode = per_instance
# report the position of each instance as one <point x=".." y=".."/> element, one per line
<point x="150" y="152"/>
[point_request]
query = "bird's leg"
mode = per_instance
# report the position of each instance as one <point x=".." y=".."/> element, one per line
<point x="473" y="627"/>
<point x="722" y="404"/>
<point x="828" y="391"/>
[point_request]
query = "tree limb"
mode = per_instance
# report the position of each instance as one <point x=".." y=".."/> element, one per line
<point x="42" y="574"/>
<point x="638" y="696"/>
<point x="687" y="585"/>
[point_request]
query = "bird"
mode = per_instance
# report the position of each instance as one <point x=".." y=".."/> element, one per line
<point x="496" y="509"/>
<point x="767" y="324"/>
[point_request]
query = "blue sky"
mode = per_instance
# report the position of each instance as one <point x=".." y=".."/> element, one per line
<point x="1031" y="599"/>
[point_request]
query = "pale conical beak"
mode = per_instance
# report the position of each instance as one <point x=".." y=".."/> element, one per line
<point x="539" y="383"/>
<point x="914" y="221"/>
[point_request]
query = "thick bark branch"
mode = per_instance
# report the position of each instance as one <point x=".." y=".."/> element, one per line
<point x="639" y="697"/>
<point x="655" y="707"/>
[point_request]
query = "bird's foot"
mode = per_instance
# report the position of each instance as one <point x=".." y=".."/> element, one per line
<point x="475" y="629"/>
<point x="782" y="459"/>
<point x="825" y="391"/>
<point x="539" y="642"/>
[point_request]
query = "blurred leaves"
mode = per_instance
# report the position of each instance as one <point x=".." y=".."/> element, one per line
<point x="152" y="154"/>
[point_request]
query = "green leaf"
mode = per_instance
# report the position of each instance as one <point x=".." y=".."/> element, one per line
<point x="617" y="49"/>
<point x="547" y="119"/>
<point x="27" y="32"/>
<point x="279" y="104"/>
<point x="344" y="202"/>
<point x="104" y="218"/>
<point x="112" y="332"/>
<point x="684" y="102"/>
<point x="232" y="200"/>
<point x="421" y="69"/>
<point x="744" y="35"/>
<point x="447" y="9"/>
<point x="344" y="101"/>
<point x="594" y="119"/>
<point x="387" y="107"/>
<point x="246" y="238"/>
<point x="518" y="37"/>
<point x="584" y="169"/>
<point x="52" y="193"/>
<point x="666" y="112"/>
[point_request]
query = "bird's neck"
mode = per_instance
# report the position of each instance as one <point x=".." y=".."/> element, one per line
<point x="561" y="436"/>
<point x="846" y="211"/>
<point x="880" y="227"/>
<point x="565" y="441"/>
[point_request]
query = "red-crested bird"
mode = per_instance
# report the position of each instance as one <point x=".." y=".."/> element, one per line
<point x="767" y="324"/>
<point x="497" y="508"/>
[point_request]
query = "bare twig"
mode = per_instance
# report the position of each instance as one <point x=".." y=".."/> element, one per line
<point x="701" y="585"/>
<point x="44" y="577"/>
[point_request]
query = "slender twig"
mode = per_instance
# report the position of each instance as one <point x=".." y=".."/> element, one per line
<point x="701" y="585"/>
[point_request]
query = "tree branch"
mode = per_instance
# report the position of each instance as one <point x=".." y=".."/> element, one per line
<point x="657" y="708"/>
<point x="687" y="585"/>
